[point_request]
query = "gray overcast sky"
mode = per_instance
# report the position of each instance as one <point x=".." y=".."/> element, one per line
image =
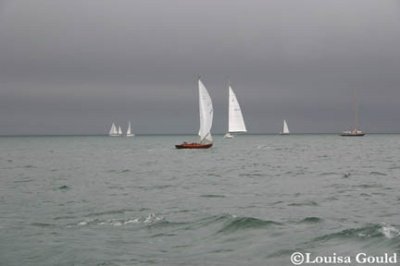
<point x="75" y="67"/>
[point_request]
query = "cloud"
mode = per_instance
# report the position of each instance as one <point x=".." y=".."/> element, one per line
<point x="88" y="63"/>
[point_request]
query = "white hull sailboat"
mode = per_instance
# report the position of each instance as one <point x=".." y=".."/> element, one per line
<point x="236" y="121"/>
<point x="355" y="132"/>
<point x="113" y="131"/>
<point x="285" y="129"/>
<point x="129" y="130"/>
<point x="206" y="119"/>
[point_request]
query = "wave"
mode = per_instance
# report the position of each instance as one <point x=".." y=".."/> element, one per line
<point x="64" y="187"/>
<point x="227" y="223"/>
<point x="306" y="203"/>
<point x="215" y="219"/>
<point x="119" y="211"/>
<point x="113" y="222"/>
<point x="244" y="223"/>
<point x="43" y="225"/>
<point x="328" y="173"/>
<point x="311" y="220"/>
<point x="151" y="220"/>
<point x="251" y="174"/>
<point x="367" y="232"/>
<point x="390" y="232"/>
<point x="63" y="217"/>
<point x="378" y="173"/>
<point x="23" y="181"/>
<point x="369" y="185"/>
<point x="212" y="196"/>
<point x="118" y="171"/>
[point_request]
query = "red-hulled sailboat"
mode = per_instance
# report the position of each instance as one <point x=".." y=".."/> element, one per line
<point x="206" y="119"/>
<point x="193" y="145"/>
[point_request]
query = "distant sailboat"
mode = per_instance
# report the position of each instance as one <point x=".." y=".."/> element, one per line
<point x="206" y="119"/>
<point x="113" y="131"/>
<point x="355" y="132"/>
<point x="129" y="131"/>
<point x="236" y="121"/>
<point x="119" y="131"/>
<point x="285" y="129"/>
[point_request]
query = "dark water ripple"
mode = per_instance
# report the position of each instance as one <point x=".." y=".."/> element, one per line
<point x="245" y="223"/>
<point x="311" y="220"/>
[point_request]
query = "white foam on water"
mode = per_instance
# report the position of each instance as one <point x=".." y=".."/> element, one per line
<point x="132" y="221"/>
<point x="389" y="231"/>
<point x="152" y="218"/>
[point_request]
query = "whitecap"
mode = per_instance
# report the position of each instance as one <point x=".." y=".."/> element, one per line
<point x="389" y="231"/>
<point x="152" y="218"/>
<point x="118" y="223"/>
<point x="83" y="223"/>
<point x="132" y="221"/>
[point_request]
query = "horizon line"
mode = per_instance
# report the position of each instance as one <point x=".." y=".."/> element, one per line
<point x="183" y="134"/>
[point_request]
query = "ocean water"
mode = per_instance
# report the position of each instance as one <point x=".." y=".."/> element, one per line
<point x="251" y="200"/>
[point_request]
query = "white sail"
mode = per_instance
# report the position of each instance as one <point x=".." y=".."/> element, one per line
<point x="129" y="130"/>
<point x="236" y="121"/>
<point x="119" y="131"/>
<point x="206" y="114"/>
<point x="285" y="129"/>
<point x="113" y="130"/>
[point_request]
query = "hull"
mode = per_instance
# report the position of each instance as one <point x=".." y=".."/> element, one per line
<point x="228" y="136"/>
<point x="193" y="146"/>
<point x="352" y="134"/>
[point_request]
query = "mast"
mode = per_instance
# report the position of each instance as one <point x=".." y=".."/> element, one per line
<point x="355" y="109"/>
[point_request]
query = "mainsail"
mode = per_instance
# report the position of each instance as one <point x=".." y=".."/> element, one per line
<point x="285" y="129"/>
<point x="129" y="131"/>
<point x="206" y="114"/>
<point x="236" y="121"/>
<point x="113" y="131"/>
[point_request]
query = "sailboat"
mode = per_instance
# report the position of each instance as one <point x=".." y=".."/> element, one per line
<point x="119" y="131"/>
<point x="206" y="119"/>
<point x="129" y="131"/>
<point x="285" y="129"/>
<point x="113" y="131"/>
<point x="236" y="121"/>
<point x="355" y="132"/>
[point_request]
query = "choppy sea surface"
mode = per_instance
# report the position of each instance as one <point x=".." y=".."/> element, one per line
<point x="251" y="200"/>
